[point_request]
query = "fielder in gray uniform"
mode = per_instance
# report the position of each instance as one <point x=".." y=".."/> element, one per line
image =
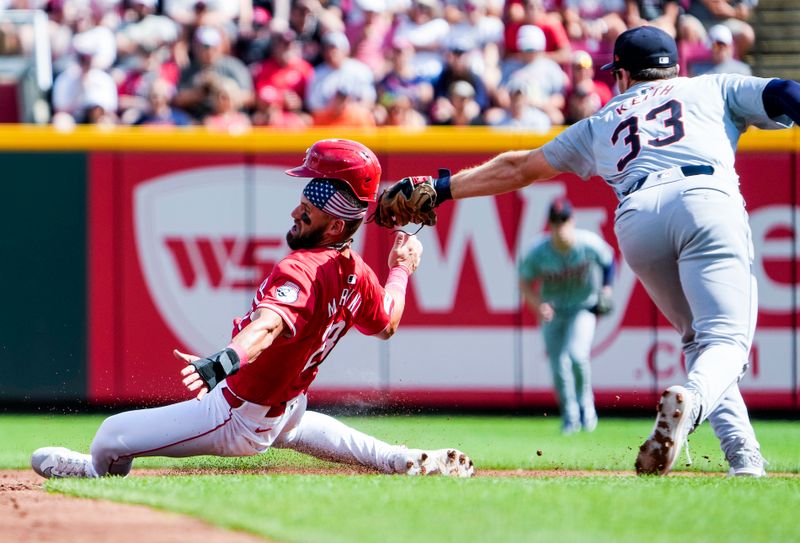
<point x="573" y="269"/>
<point x="666" y="146"/>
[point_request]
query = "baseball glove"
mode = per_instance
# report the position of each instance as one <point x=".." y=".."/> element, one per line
<point x="604" y="305"/>
<point x="411" y="199"/>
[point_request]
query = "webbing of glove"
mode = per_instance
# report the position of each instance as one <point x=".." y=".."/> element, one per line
<point x="421" y="203"/>
<point x="215" y="368"/>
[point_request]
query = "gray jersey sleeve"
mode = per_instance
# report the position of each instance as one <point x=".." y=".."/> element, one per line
<point x="571" y="150"/>
<point x="742" y="95"/>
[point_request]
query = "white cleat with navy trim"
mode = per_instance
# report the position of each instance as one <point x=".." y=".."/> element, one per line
<point x="60" y="462"/>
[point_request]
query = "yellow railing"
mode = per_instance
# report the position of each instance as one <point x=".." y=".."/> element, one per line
<point x="198" y="139"/>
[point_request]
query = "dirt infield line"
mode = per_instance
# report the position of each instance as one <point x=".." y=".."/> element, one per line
<point x="29" y="514"/>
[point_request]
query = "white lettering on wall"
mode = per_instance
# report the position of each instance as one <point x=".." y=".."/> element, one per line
<point x="773" y="295"/>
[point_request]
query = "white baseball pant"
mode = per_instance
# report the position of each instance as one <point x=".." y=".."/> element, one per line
<point x="217" y="426"/>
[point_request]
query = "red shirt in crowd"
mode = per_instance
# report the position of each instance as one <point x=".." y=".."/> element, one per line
<point x="294" y="76"/>
<point x="320" y="294"/>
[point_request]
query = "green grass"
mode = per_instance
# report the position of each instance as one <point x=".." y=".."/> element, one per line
<point x="295" y="508"/>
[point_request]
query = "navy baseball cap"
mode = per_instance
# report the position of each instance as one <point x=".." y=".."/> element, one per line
<point x="560" y="210"/>
<point x="643" y="47"/>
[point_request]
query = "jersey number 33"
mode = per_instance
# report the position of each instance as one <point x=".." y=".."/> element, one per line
<point x="668" y="114"/>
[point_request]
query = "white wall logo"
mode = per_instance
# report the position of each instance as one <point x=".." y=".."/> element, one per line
<point x="206" y="238"/>
<point x="287" y="293"/>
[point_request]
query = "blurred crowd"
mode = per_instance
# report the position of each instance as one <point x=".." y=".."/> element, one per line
<point x="232" y="64"/>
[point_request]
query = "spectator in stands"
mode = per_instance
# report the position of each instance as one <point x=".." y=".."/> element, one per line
<point x="209" y="63"/>
<point x="732" y="13"/>
<point x="252" y="46"/>
<point x="660" y="13"/>
<point x="402" y="79"/>
<point x="135" y="75"/>
<point x="82" y="88"/>
<point x="534" y="70"/>
<point x="586" y="95"/>
<point x="270" y="111"/>
<point x="458" y="107"/>
<point x="310" y="21"/>
<point x="722" y="54"/>
<point x="346" y="110"/>
<point x="471" y="19"/>
<point x="285" y="70"/>
<point x="193" y="13"/>
<point x="227" y="115"/>
<point x="60" y="35"/>
<point x="369" y="35"/>
<point x="338" y="72"/>
<point x="96" y="113"/>
<point x="594" y="24"/>
<point x="557" y="45"/>
<point x="159" y="112"/>
<point x="141" y="27"/>
<point x="398" y="110"/>
<point x="101" y="41"/>
<point x="521" y="113"/>
<point x="427" y="31"/>
<point x="458" y="67"/>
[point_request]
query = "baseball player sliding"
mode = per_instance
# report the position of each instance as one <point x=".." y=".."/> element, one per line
<point x="252" y="393"/>
<point x="573" y="269"/>
<point x="666" y="146"/>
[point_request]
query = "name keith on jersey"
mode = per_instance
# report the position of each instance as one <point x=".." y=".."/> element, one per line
<point x="644" y="96"/>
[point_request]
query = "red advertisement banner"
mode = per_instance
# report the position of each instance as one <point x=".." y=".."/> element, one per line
<point x="178" y="243"/>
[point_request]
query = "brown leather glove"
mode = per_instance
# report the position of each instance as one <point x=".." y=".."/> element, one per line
<point x="411" y="199"/>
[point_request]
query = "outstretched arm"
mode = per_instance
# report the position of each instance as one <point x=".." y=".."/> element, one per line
<point x="413" y="199"/>
<point x="203" y="374"/>
<point x="506" y="172"/>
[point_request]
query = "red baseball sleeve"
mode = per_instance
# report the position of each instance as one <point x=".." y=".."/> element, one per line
<point x="290" y="294"/>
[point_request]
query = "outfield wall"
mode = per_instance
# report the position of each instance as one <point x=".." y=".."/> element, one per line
<point x="122" y="245"/>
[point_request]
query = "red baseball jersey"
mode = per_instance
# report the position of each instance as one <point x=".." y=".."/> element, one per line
<point x="319" y="294"/>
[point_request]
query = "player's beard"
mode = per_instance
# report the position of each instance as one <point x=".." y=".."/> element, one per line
<point x="307" y="240"/>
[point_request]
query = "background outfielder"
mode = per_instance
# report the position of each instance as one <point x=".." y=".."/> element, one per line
<point x="666" y="145"/>
<point x="572" y="269"/>
<point x="252" y="394"/>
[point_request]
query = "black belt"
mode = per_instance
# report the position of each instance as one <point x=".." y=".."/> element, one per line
<point x="688" y="171"/>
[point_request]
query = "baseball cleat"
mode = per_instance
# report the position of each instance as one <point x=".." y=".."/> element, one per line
<point x="59" y="462"/>
<point x="659" y="453"/>
<point x="746" y="463"/>
<point x="589" y="421"/>
<point x="447" y="462"/>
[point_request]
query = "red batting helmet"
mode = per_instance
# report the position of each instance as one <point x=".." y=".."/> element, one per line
<point x="346" y="160"/>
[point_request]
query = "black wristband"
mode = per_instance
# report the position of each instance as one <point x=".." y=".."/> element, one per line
<point x="215" y="368"/>
<point x="442" y="187"/>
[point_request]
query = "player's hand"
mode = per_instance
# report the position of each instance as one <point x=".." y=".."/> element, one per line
<point x="546" y="312"/>
<point x="191" y="379"/>
<point x="406" y="252"/>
